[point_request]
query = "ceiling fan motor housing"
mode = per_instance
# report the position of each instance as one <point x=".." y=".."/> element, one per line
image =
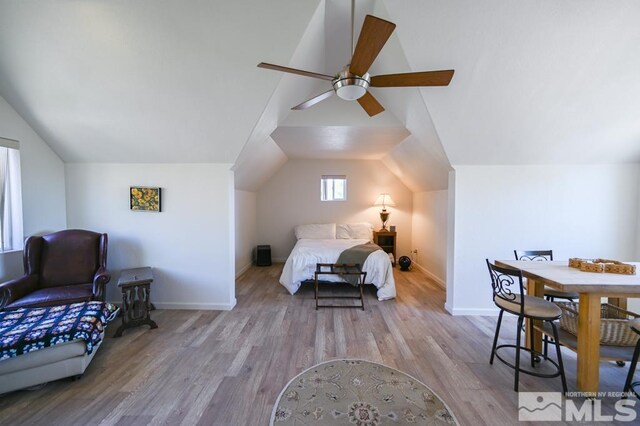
<point x="350" y="86"/>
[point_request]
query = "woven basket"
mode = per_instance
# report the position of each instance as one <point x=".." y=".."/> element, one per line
<point x="602" y="265"/>
<point x="614" y="324"/>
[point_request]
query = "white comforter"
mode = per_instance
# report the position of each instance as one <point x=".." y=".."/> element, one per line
<point x="301" y="265"/>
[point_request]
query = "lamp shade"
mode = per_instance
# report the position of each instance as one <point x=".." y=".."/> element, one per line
<point x="384" y="200"/>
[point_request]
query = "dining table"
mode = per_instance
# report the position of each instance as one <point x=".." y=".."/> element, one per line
<point x="591" y="287"/>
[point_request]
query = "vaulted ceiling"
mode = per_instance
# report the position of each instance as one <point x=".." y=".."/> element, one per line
<point x="146" y="81"/>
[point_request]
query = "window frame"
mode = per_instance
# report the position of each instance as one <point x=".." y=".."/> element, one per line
<point x="324" y="189"/>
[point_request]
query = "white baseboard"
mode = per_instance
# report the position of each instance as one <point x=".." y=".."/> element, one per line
<point x="191" y="306"/>
<point x="431" y="275"/>
<point x="242" y="270"/>
<point x="485" y="312"/>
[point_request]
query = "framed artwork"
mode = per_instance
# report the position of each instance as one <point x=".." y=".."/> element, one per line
<point x="144" y="198"/>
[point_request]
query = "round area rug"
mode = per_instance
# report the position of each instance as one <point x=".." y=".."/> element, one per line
<point x="361" y="393"/>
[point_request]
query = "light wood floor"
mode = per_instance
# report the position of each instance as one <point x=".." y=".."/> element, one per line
<point x="227" y="368"/>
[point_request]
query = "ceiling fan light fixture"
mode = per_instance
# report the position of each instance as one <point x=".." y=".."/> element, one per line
<point x="350" y="92"/>
<point x="350" y="86"/>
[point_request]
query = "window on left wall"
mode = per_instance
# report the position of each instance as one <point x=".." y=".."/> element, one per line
<point x="11" y="234"/>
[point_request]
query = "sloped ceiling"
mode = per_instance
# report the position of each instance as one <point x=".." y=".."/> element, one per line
<point x="403" y="136"/>
<point x="536" y="82"/>
<point x="146" y="81"/>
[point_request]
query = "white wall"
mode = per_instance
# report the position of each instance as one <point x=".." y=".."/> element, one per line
<point x="578" y="211"/>
<point x="246" y="229"/>
<point x="292" y="197"/>
<point x="43" y="185"/>
<point x="190" y="244"/>
<point x="638" y="228"/>
<point x="429" y="233"/>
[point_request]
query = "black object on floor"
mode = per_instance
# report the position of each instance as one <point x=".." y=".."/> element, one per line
<point x="404" y="262"/>
<point x="263" y="255"/>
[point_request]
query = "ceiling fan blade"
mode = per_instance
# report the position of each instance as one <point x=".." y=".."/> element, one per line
<point x="316" y="99"/>
<point x="370" y="104"/>
<point x="294" y="71"/>
<point x="413" y="79"/>
<point x="375" y="33"/>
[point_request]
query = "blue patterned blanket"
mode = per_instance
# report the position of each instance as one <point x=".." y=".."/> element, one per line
<point x="30" y="329"/>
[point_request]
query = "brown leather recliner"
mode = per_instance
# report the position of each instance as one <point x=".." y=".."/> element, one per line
<point x="60" y="268"/>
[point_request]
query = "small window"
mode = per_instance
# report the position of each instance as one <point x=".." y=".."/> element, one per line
<point x="10" y="196"/>
<point x="333" y="188"/>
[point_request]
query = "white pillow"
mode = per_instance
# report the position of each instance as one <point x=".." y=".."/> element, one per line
<point x="318" y="231"/>
<point x="358" y="231"/>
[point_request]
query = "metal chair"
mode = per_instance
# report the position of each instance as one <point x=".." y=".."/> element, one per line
<point x="628" y="386"/>
<point x="545" y="256"/>
<point x="508" y="295"/>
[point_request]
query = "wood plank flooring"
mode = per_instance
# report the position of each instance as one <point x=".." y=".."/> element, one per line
<point x="227" y="368"/>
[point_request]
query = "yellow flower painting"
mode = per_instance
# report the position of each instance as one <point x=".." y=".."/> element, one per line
<point x="143" y="198"/>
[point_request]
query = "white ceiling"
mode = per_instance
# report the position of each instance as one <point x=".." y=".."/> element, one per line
<point x="338" y="142"/>
<point x="536" y="82"/>
<point x="336" y="129"/>
<point x="145" y="81"/>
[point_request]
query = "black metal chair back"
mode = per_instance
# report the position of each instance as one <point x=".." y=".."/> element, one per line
<point x="507" y="285"/>
<point x="534" y="255"/>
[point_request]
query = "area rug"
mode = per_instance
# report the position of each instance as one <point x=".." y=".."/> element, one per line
<point x="361" y="393"/>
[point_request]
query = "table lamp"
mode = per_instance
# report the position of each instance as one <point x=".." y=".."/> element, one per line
<point x="384" y="200"/>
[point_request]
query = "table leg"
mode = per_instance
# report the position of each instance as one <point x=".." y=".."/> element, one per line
<point x="589" y="343"/>
<point x="620" y="302"/>
<point x="534" y="289"/>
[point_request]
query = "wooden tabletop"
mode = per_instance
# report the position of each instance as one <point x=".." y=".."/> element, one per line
<point x="135" y="276"/>
<point x="559" y="275"/>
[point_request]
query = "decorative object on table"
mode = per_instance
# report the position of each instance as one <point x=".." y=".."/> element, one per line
<point x="392" y="228"/>
<point x="263" y="255"/>
<point x="384" y="200"/>
<point x="135" y="285"/>
<point x="404" y="262"/>
<point x="145" y="199"/>
<point x="60" y="268"/>
<point x="602" y="265"/>
<point x="361" y="393"/>
<point x="614" y="323"/>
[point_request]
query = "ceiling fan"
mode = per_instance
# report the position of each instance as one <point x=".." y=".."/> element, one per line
<point x="353" y="82"/>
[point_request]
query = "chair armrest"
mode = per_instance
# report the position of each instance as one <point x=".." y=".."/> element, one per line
<point x="100" y="279"/>
<point x="13" y="290"/>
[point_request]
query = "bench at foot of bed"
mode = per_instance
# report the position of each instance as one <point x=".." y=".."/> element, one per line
<point x="350" y="272"/>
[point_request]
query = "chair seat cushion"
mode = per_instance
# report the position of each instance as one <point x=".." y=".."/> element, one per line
<point x="533" y="307"/>
<point x="635" y="325"/>
<point x="54" y="296"/>
<point x="548" y="291"/>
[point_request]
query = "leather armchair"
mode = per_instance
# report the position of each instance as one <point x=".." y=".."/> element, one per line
<point x="64" y="267"/>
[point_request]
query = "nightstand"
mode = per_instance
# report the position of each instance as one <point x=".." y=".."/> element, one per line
<point x="387" y="241"/>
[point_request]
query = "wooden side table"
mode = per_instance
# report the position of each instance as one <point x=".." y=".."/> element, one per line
<point x="135" y="285"/>
<point x="387" y="242"/>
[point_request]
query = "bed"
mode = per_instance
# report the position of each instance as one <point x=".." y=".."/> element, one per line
<point x="301" y="264"/>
